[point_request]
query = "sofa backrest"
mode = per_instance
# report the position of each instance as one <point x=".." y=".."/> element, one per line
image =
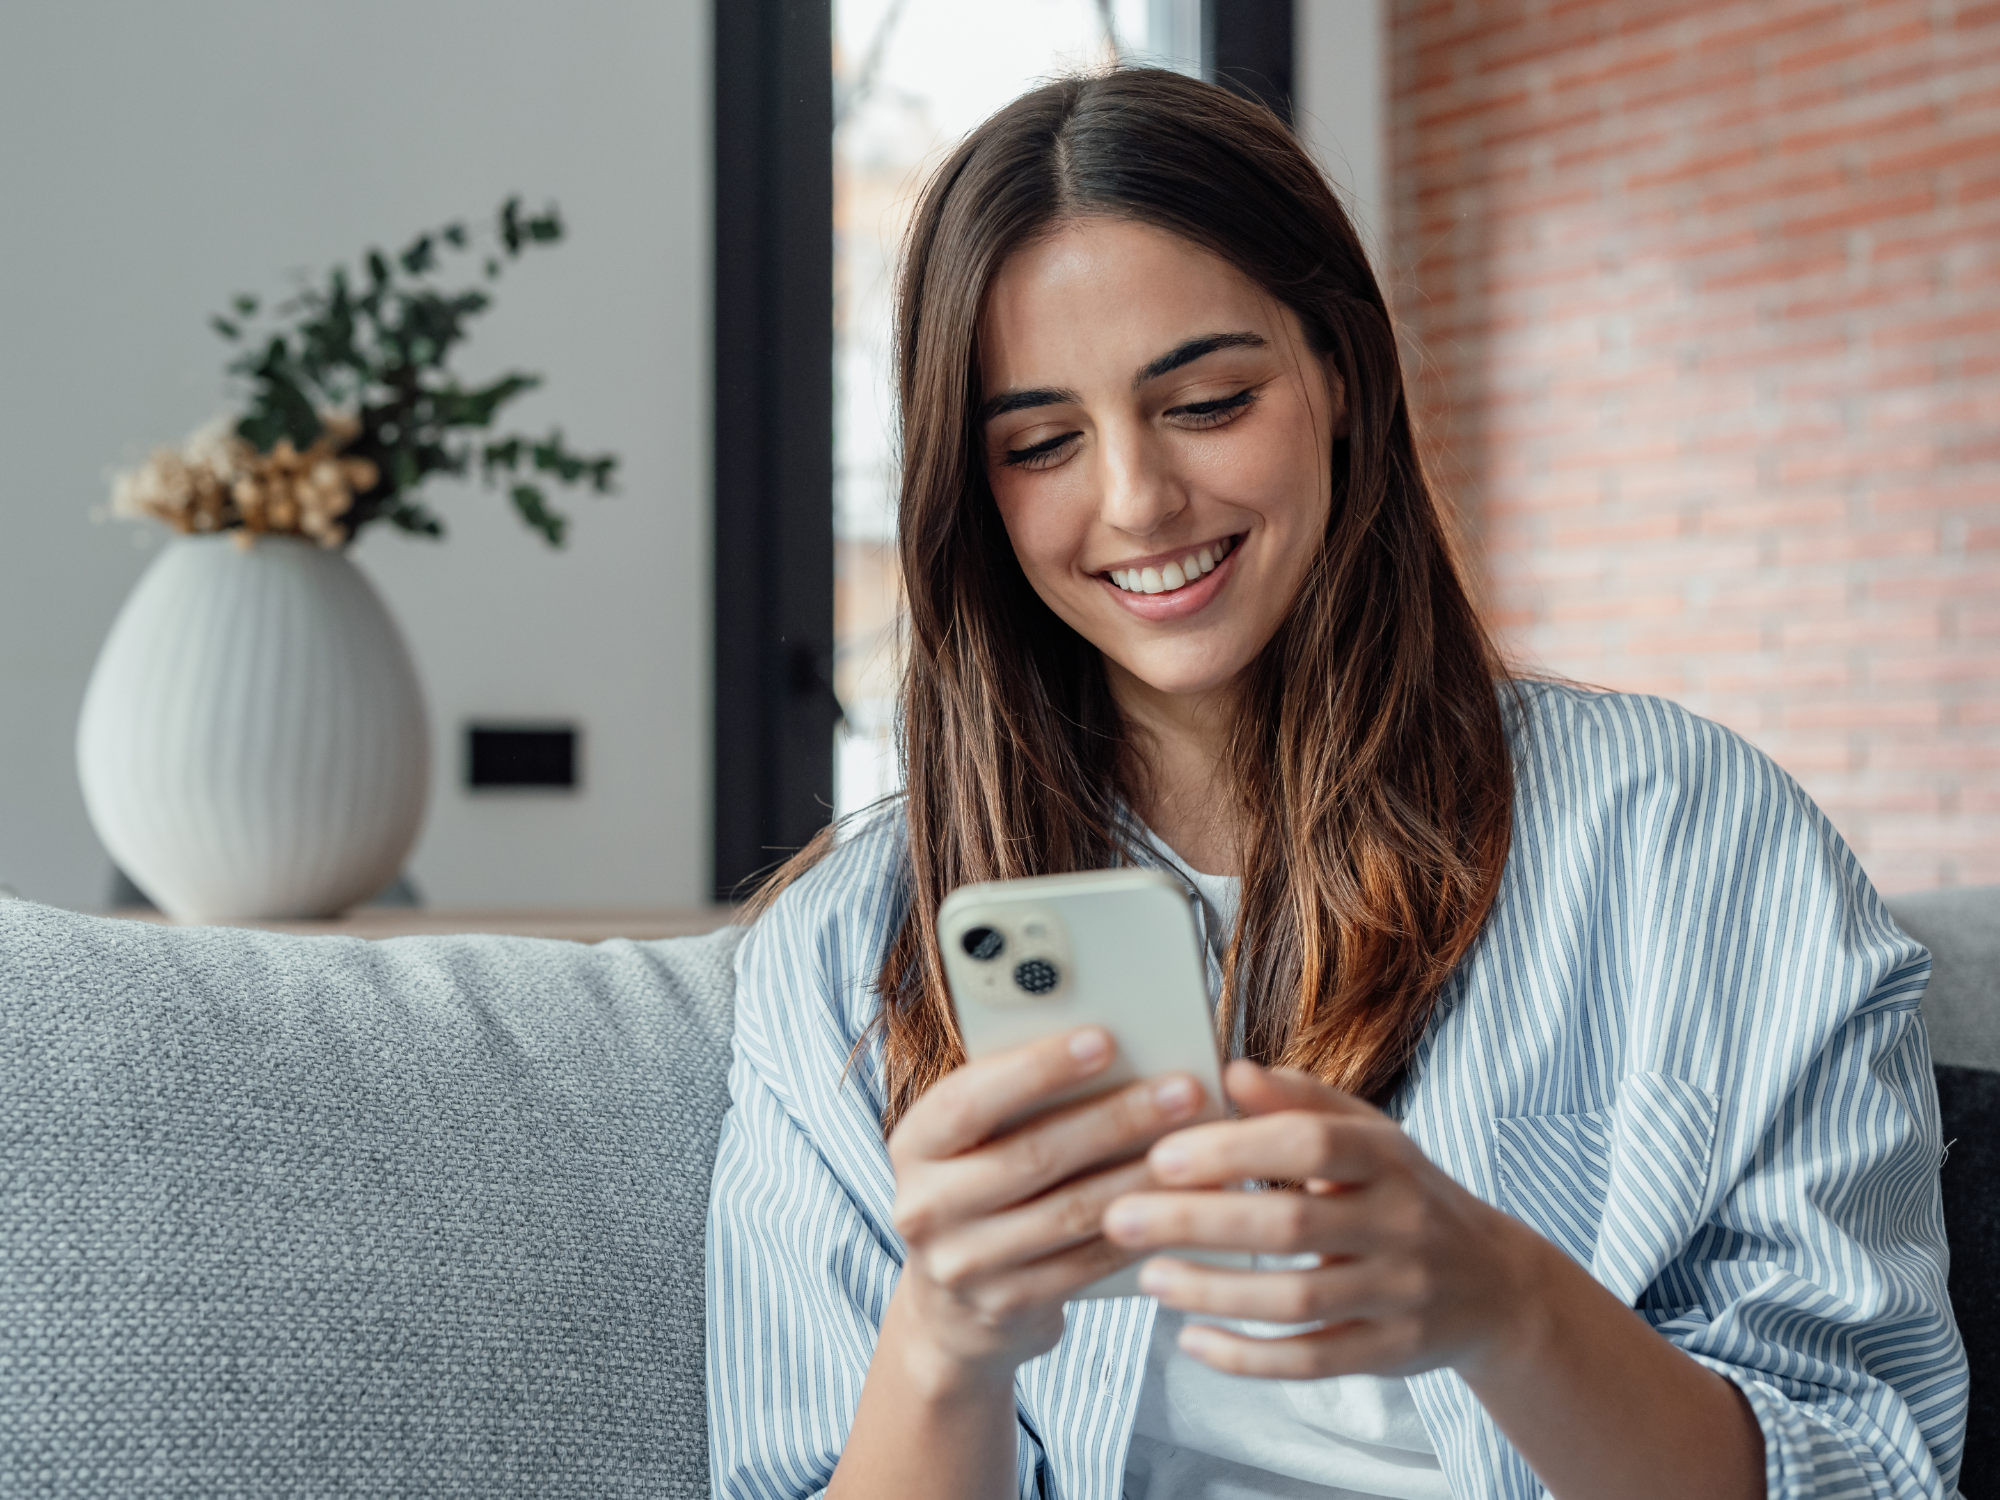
<point x="314" y="1216"/>
<point x="1962" y="1013"/>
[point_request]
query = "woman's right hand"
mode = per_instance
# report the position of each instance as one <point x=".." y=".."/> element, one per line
<point x="1001" y="1229"/>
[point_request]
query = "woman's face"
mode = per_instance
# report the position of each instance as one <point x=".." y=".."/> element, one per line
<point x="1158" y="435"/>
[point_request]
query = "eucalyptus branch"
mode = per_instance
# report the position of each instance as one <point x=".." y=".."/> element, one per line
<point x="372" y="353"/>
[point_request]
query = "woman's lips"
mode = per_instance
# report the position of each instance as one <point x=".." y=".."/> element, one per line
<point x="1177" y="603"/>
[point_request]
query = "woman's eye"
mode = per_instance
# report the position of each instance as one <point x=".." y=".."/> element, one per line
<point x="1212" y="413"/>
<point x="1039" y="455"/>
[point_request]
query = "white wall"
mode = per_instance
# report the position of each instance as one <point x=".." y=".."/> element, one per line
<point x="156" y="158"/>
<point x="1340" y="61"/>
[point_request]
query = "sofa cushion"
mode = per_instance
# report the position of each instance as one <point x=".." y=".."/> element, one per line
<point x="314" y="1216"/>
<point x="1961" y="927"/>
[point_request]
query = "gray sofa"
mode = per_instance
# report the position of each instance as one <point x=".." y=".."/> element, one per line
<point x="317" y="1217"/>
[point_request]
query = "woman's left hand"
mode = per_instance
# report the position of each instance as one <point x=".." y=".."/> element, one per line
<point x="1414" y="1273"/>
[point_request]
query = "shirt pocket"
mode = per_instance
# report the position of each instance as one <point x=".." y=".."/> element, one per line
<point x="1554" y="1172"/>
<point x="1620" y="1190"/>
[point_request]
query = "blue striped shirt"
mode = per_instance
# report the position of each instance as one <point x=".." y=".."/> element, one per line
<point x="1686" y="1049"/>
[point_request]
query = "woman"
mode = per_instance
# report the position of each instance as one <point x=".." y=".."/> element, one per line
<point x="1521" y="980"/>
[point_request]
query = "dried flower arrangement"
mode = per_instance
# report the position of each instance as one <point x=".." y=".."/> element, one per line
<point x="352" y="408"/>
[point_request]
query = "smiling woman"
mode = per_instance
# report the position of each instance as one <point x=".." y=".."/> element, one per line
<point x="1517" y="979"/>
<point x="1153" y="484"/>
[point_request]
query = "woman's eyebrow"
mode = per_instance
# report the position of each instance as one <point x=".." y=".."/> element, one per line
<point x="1194" y="349"/>
<point x="1182" y="354"/>
<point x="1008" y="401"/>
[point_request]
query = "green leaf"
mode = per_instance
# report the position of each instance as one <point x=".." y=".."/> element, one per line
<point x="415" y="518"/>
<point x="378" y="268"/>
<point x="510" y="225"/>
<point x="502" y="455"/>
<point x="226" y="328"/>
<point x="456" y="407"/>
<point x="529" y="502"/>
<point x="419" y="257"/>
<point x="454" y="235"/>
<point x="553" y="456"/>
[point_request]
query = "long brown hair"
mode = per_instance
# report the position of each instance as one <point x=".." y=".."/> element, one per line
<point x="1370" y="760"/>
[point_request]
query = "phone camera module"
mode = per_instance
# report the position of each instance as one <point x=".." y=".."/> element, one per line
<point x="983" y="943"/>
<point x="1036" y="975"/>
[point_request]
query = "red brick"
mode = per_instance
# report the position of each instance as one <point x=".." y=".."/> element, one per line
<point x="1872" y="210"/>
<point x="1763" y="190"/>
<point x="1765" y="351"/>
<point x="1714" y="459"/>
<point x="1856" y="299"/>
<point x="1862" y="629"/>
<point x="1499" y="103"/>
<point x="1695" y="641"/>
<point x="1942" y="154"/>
<point x="1855" y="462"/>
<point x="1727" y="160"/>
<point x="1608" y="150"/>
<point x="1845" y="546"/>
<point x="1617" y="607"/>
<point x="1874" y="41"/>
<point x="1532" y="127"/>
<point x="1803" y="513"/>
<point x="1938" y="330"/>
<point x="1863" y="713"/>
<point x="1773" y="26"/>
<point x="1869" y="129"/>
<point x="1765" y="270"/>
<point x="1936" y="586"/>
<point x="1936" y="495"/>
<point x="1625" y="67"/>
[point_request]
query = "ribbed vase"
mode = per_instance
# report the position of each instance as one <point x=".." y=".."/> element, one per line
<point x="253" y="741"/>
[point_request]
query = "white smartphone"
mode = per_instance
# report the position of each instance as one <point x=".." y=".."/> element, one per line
<point x="1114" y="948"/>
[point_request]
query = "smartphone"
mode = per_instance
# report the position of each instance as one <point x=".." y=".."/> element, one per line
<point x="1113" y="948"/>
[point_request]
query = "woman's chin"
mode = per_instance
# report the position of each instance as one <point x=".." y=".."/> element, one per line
<point x="1172" y="677"/>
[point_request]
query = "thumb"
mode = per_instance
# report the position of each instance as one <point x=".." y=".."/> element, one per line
<point x="1258" y="1090"/>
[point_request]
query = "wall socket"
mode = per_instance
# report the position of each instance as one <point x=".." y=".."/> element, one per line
<point x="522" y="757"/>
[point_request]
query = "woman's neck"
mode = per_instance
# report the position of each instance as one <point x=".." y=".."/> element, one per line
<point x="1185" y="792"/>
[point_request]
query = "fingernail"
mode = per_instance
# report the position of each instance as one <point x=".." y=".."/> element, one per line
<point x="1090" y="1045"/>
<point x="1169" y="1159"/>
<point x="1155" y="1280"/>
<point x="1124" y="1221"/>
<point x="1176" y="1096"/>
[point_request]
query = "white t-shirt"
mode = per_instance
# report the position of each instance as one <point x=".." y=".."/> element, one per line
<point x="1203" y="1435"/>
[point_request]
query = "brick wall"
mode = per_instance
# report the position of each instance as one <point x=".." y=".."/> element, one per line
<point x="1704" y="298"/>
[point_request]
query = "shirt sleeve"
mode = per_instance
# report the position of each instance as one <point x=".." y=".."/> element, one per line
<point x="1819" y="1286"/>
<point x="1816" y="1278"/>
<point x="802" y="1257"/>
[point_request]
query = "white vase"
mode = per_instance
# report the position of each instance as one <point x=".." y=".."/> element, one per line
<point x="253" y="741"/>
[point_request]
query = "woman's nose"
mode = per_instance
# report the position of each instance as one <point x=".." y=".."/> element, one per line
<point x="1141" y="493"/>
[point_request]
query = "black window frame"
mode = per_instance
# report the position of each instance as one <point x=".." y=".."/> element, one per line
<point x="773" y="462"/>
<point x="774" y="705"/>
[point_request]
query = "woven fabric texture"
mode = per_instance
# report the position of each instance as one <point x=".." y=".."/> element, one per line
<point x="1961" y="927"/>
<point x="313" y="1216"/>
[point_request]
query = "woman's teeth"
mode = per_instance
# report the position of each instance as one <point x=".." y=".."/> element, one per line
<point x="1175" y="574"/>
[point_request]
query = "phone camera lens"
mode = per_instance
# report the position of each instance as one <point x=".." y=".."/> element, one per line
<point x="983" y="943"/>
<point x="1037" y="976"/>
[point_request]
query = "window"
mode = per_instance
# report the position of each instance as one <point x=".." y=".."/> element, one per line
<point x="911" y="77"/>
<point x="828" y="113"/>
